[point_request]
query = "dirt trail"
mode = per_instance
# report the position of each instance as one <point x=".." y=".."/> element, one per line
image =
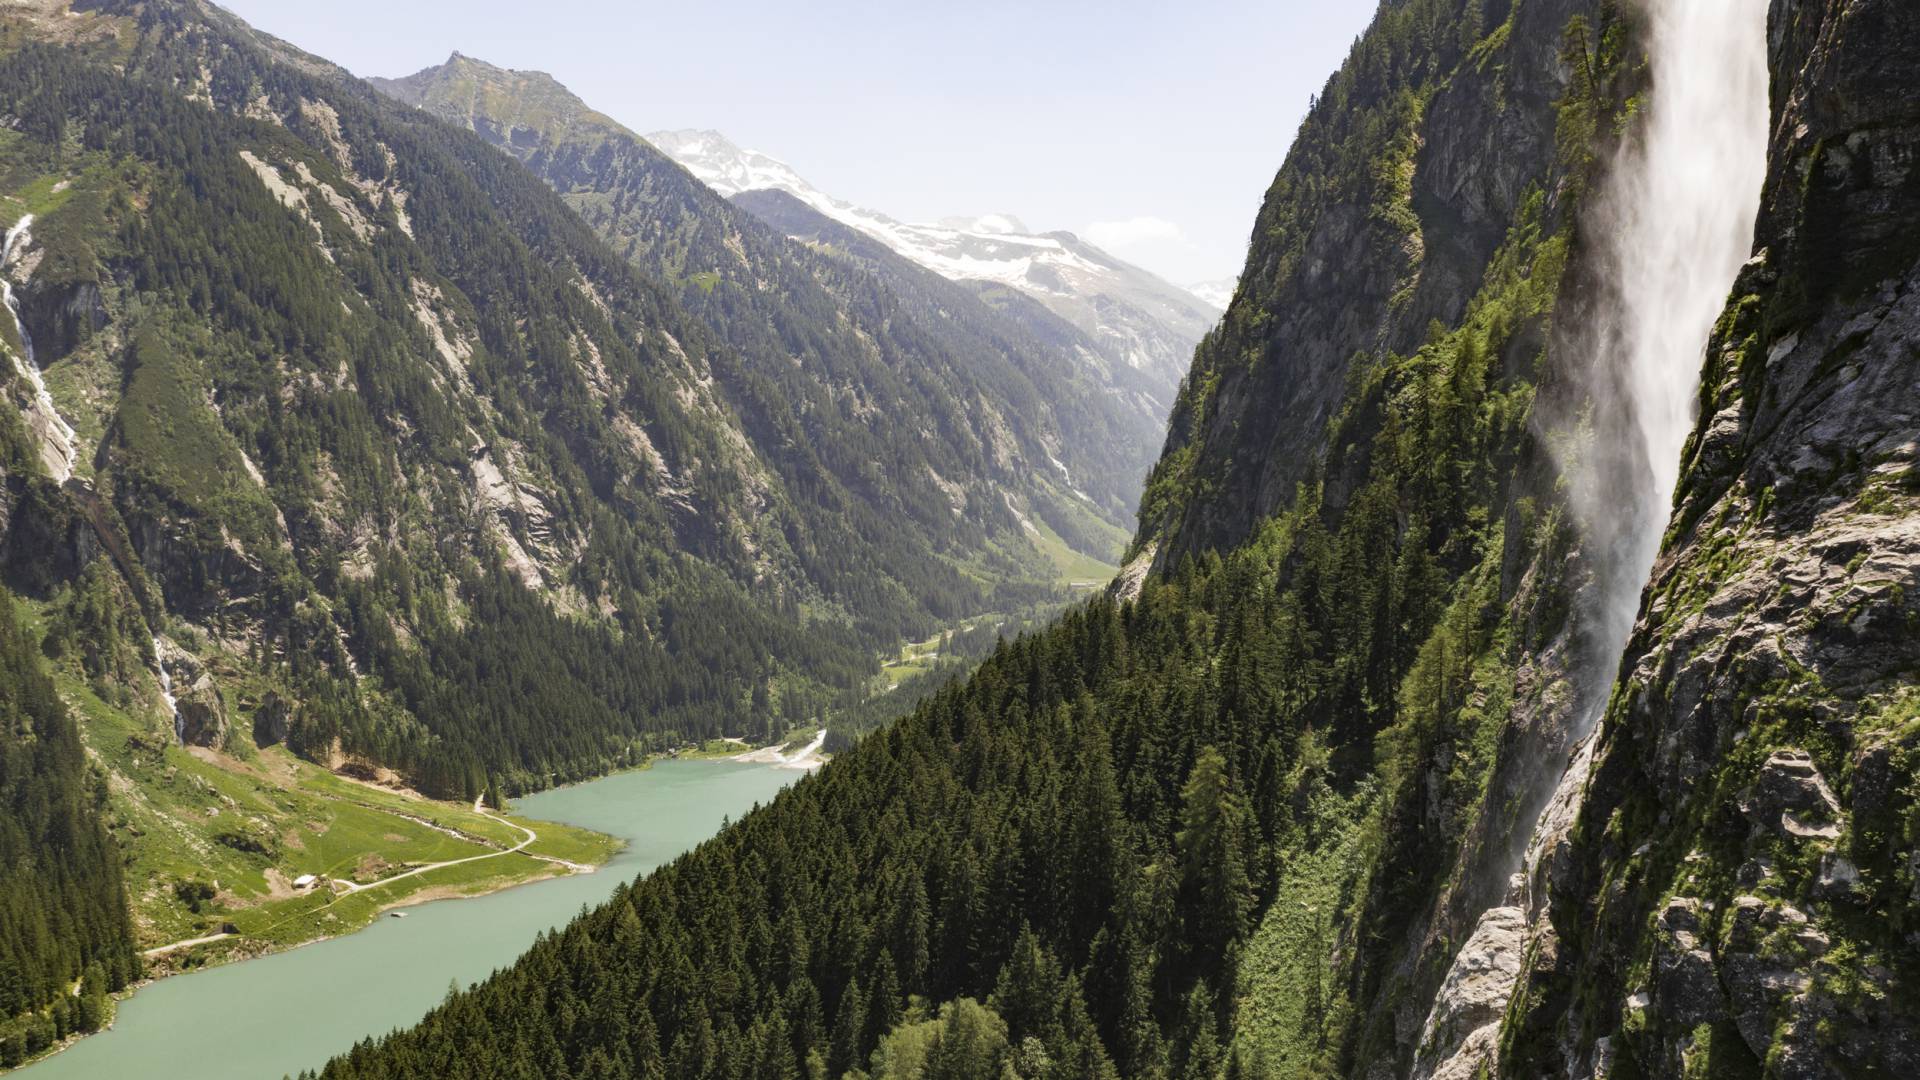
<point x="350" y="887"/>
<point x="189" y="943"/>
<point x="807" y="757"/>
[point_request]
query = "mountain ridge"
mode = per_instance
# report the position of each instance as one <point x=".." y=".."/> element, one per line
<point x="1137" y="318"/>
<point x="1041" y="397"/>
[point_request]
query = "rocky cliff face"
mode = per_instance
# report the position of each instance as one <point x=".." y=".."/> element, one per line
<point x="1739" y="893"/>
<point x="1403" y="182"/>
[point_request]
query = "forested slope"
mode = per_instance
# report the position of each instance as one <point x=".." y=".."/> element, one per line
<point x="66" y="941"/>
<point x="1037" y="418"/>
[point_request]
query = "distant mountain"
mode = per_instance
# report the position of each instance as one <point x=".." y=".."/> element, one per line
<point x="1025" y="419"/>
<point x="1218" y="292"/>
<point x="1136" y="318"/>
<point x="373" y="429"/>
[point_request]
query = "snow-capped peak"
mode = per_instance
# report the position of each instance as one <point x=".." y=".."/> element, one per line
<point x="1218" y="292"/>
<point x="1134" y="316"/>
<point x="991" y="224"/>
<point x="726" y="168"/>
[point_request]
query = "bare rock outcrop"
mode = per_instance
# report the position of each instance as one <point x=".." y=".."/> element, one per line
<point x="1463" y="1030"/>
<point x="203" y="713"/>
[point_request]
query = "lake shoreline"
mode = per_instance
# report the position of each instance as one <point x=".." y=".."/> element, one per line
<point x="235" y="955"/>
<point x="310" y="1004"/>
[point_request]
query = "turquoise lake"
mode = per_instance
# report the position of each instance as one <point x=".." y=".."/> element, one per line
<point x="280" y="1014"/>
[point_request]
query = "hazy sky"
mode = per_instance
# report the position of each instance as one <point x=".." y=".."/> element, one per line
<point x="1151" y="128"/>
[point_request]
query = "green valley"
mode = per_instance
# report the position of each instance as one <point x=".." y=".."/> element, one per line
<point x="1504" y="669"/>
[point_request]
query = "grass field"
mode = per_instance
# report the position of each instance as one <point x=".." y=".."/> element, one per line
<point x="916" y="658"/>
<point x="1073" y="567"/>
<point x="216" y="839"/>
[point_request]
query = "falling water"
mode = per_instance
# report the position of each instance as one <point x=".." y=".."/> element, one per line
<point x="1675" y="219"/>
<point x="1678" y="212"/>
<point x="55" y="434"/>
<point x="166" y="693"/>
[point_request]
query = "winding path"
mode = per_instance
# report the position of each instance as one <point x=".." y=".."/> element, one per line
<point x="354" y="887"/>
<point x="348" y="888"/>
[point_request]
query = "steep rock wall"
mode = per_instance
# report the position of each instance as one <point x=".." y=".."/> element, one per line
<point x="1403" y="183"/>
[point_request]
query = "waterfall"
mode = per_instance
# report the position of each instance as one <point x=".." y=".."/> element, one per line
<point x="1674" y="224"/>
<point x="1677" y="214"/>
<point x="56" y="436"/>
<point x="166" y="693"/>
<point x="1675" y="220"/>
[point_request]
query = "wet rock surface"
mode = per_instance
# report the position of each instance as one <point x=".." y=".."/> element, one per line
<point x="203" y="714"/>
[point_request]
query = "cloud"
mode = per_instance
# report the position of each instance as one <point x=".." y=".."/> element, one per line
<point x="1135" y="232"/>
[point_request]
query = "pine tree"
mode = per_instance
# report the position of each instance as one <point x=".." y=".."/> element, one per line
<point x="910" y="936"/>
<point x="1203" y="1058"/>
<point x="849" y="1031"/>
<point x="1215" y="896"/>
<point x="1028" y="992"/>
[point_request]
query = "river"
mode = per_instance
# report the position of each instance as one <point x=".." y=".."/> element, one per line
<point x="277" y="1015"/>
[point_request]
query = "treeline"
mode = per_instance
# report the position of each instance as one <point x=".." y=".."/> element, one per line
<point x="66" y="939"/>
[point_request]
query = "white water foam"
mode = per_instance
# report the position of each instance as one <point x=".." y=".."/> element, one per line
<point x="166" y="693"/>
<point x="57" y="440"/>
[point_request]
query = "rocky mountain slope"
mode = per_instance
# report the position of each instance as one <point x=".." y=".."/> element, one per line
<point x="356" y="410"/>
<point x="1042" y="432"/>
<point x="1133" y="318"/>
<point x="1350" y="263"/>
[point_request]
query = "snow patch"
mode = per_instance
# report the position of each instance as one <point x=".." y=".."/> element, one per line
<point x="1077" y="281"/>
